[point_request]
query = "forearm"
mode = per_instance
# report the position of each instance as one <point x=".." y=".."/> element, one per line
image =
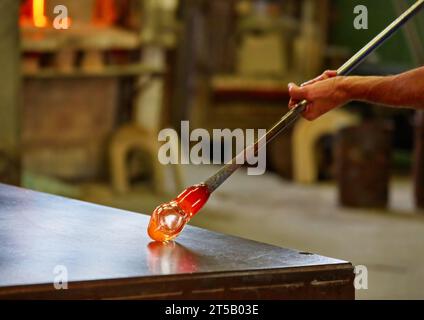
<point x="403" y="90"/>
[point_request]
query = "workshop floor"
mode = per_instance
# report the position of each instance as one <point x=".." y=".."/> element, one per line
<point x="268" y="209"/>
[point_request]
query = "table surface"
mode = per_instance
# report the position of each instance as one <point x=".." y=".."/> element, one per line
<point x="39" y="232"/>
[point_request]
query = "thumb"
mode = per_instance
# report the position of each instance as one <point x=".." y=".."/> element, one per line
<point x="296" y="92"/>
<point x="330" y="73"/>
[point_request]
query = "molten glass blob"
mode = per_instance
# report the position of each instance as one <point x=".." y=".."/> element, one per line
<point x="169" y="219"/>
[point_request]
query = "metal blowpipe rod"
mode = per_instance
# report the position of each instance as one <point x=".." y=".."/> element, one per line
<point x="226" y="171"/>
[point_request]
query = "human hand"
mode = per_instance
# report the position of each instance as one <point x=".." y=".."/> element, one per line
<point x="323" y="93"/>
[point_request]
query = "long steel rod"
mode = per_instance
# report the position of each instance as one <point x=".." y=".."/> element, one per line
<point x="226" y="171"/>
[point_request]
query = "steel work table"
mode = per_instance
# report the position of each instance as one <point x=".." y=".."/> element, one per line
<point x="107" y="254"/>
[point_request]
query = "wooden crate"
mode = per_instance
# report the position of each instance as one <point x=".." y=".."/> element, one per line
<point x="66" y="124"/>
<point x="363" y="165"/>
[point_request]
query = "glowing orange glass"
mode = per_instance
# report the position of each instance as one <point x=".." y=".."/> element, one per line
<point x="169" y="219"/>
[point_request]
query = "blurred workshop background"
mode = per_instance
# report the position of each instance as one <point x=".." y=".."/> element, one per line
<point x="80" y="110"/>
